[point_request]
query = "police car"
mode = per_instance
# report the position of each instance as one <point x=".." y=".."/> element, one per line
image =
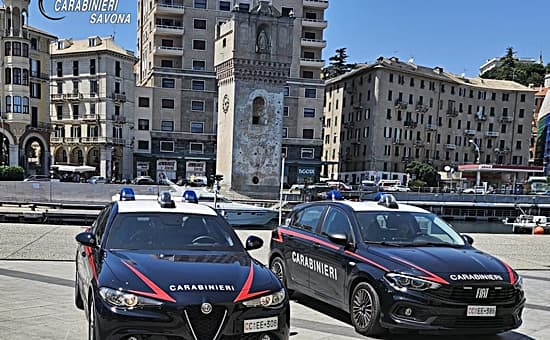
<point x="166" y="270"/>
<point x="394" y="266"/>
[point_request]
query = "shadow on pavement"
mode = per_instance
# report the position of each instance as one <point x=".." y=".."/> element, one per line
<point x="342" y="316"/>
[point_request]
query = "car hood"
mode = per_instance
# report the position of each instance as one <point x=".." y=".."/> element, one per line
<point x="446" y="264"/>
<point x="191" y="277"/>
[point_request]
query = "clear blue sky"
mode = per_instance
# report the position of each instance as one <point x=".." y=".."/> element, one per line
<point x="457" y="35"/>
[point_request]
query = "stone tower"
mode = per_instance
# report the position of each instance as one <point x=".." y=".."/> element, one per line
<point x="253" y="54"/>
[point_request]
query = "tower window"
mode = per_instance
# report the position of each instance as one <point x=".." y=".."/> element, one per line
<point x="258" y="107"/>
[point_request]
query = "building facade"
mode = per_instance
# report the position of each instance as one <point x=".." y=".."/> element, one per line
<point x="380" y="117"/>
<point x="25" y="121"/>
<point x="92" y="105"/>
<point x="542" y="148"/>
<point x="176" y="51"/>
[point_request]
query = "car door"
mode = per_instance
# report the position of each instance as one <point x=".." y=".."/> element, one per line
<point x="299" y="244"/>
<point x="331" y="271"/>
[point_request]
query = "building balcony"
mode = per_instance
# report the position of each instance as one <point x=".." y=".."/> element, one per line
<point x="320" y="4"/>
<point x="506" y="119"/>
<point x="450" y="146"/>
<point x="452" y="112"/>
<point x="314" y="23"/>
<point x="91" y="117"/>
<point x="168" y="30"/>
<point x="12" y="117"/>
<point x="118" y="119"/>
<point x="41" y="126"/>
<point x="492" y="133"/>
<point x="407" y="159"/>
<point x="314" y="43"/>
<point x="400" y="105"/>
<point x="411" y="123"/>
<point x="72" y="140"/>
<point x="169" y="7"/>
<point x="432" y="127"/>
<point x="502" y="150"/>
<point x="419" y="144"/>
<point x="307" y="62"/>
<point x="421" y="108"/>
<point x="56" y="140"/>
<point x="480" y="117"/>
<point x="56" y="97"/>
<point x="117" y="97"/>
<point x="302" y="141"/>
<point x="470" y="132"/>
<point x="103" y="140"/>
<point x="169" y="50"/>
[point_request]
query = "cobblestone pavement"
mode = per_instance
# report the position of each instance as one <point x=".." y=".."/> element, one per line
<point x="36" y="287"/>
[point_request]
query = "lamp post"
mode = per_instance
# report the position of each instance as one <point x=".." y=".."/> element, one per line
<point x="478" y="175"/>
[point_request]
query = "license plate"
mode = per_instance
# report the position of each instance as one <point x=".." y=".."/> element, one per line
<point x="481" y="311"/>
<point x="260" y="325"/>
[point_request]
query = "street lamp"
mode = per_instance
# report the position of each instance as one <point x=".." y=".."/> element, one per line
<point x="478" y="175"/>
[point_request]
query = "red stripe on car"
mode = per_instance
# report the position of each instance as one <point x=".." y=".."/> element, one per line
<point x="245" y="291"/>
<point x="158" y="293"/>
<point x="90" y="257"/>
<point x="362" y="258"/>
<point x="431" y="276"/>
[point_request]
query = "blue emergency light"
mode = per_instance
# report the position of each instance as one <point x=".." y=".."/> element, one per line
<point x="127" y="194"/>
<point x="190" y="196"/>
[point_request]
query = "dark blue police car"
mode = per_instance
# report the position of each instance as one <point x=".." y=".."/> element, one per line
<point x="165" y="270"/>
<point x="395" y="266"/>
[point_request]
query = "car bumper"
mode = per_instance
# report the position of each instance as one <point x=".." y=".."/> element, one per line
<point x="187" y="323"/>
<point x="431" y="314"/>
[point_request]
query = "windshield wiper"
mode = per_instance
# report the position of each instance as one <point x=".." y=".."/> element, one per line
<point x="386" y="243"/>
<point x="433" y="244"/>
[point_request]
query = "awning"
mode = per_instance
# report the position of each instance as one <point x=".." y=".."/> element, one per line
<point x="73" y="168"/>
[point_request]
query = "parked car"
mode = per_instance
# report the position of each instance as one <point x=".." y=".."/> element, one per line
<point x="97" y="180"/>
<point x="478" y="190"/>
<point x="338" y="185"/>
<point x="37" y="178"/>
<point x="399" y="187"/>
<point x="144" y="180"/>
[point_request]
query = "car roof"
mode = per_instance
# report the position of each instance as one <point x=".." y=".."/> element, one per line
<point x="150" y="205"/>
<point x="365" y="206"/>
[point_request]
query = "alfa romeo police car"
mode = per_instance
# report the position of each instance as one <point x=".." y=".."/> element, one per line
<point x="395" y="266"/>
<point x="165" y="270"/>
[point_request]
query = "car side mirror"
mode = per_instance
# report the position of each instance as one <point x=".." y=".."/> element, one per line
<point x="87" y="239"/>
<point x="339" y="238"/>
<point x="469" y="239"/>
<point x="254" y="242"/>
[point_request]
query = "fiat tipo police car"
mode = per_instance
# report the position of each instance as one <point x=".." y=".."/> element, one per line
<point x="395" y="266"/>
<point x="165" y="270"/>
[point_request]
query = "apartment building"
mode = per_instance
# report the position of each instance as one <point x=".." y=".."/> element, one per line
<point x="176" y="51"/>
<point x="380" y="117"/>
<point x="92" y="105"/>
<point x="542" y="110"/>
<point x="25" y="121"/>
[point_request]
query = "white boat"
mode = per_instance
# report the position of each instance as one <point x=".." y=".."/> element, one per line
<point x="238" y="214"/>
<point x="526" y="223"/>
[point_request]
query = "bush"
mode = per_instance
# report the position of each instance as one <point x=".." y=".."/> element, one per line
<point x="417" y="184"/>
<point x="11" y="173"/>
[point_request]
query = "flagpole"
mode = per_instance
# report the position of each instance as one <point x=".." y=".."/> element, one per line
<point x="281" y="189"/>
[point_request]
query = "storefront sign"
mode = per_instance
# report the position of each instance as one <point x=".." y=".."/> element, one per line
<point x="306" y="172"/>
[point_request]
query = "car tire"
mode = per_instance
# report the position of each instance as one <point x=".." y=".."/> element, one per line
<point x="77" y="297"/>
<point x="278" y="268"/>
<point x="92" y="328"/>
<point x="364" y="309"/>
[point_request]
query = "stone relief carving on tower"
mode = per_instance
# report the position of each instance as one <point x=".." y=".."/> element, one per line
<point x="263" y="44"/>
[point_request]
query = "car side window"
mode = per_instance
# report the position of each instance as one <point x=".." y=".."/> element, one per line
<point x="101" y="223"/>
<point x="336" y="222"/>
<point x="308" y="218"/>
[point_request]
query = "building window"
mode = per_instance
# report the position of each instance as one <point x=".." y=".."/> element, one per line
<point x="166" y="146"/>
<point x="285" y="132"/>
<point x="522" y="98"/>
<point x="117" y="69"/>
<point x="167" y="103"/>
<point x="199" y="24"/>
<point x="286" y="91"/>
<point x="167" y="63"/>
<point x="199" y="44"/>
<point x="196" y="148"/>
<point x="143" y="145"/>
<point x="60" y="69"/>
<point x="7" y="48"/>
<point x="244" y="7"/>
<point x="94" y="88"/>
<point x="36" y="90"/>
<point x="309" y="112"/>
<point x="17" y="104"/>
<point x="75" y="68"/>
<point x="197" y="105"/>
<point x="167" y="125"/>
<point x="285" y="111"/>
<point x="76" y="111"/>
<point x="7" y="76"/>
<point x="143" y="101"/>
<point x="16" y="76"/>
<point x="59" y="112"/>
<point x="25" y="104"/>
<point x="199" y="4"/>
<point x="225" y="5"/>
<point x="306" y="153"/>
<point x="16" y="48"/>
<point x="199" y="65"/>
<point x="168" y="83"/>
<point x="521" y="113"/>
<point x="307" y="74"/>
<point x="197" y="127"/>
<point x="197" y="85"/>
<point x="92" y="66"/>
<point x="310" y="93"/>
<point x="307" y="133"/>
<point x="143" y="124"/>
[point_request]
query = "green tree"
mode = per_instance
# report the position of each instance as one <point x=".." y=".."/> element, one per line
<point x="511" y="69"/>
<point x="423" y="172"/>
<point x="338" y="65"/>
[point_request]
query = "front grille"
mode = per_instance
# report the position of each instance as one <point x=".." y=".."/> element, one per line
<point x="468" y="293"/>
<point x="205" y="326"/>
<point x="471" y="322"/>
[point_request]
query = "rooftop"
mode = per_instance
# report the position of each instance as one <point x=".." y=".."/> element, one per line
<point x="91" y="44"/>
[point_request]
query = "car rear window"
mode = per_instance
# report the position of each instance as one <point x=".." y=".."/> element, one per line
<point x="171" y="231"/>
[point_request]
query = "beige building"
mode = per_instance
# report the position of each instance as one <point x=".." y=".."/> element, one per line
<point x="176" y="51"/>
<point x="25" y="124"/>
<point x="380" y="117"/>
<point x="92" y="105"/>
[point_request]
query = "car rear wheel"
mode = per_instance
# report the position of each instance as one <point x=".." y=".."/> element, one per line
<point x="278" y="268"/>
<point x="365" y="310"/>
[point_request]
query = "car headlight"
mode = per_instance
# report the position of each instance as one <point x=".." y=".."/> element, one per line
<point x="403" y="282"/>
<point x="270" y="301"/>
<point x="121" y="298"/>
<point x="519" y="282"/>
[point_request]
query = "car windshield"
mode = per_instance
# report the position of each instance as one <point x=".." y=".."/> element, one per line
<point x="171" y="231"/>
<point x="407" y="229"/>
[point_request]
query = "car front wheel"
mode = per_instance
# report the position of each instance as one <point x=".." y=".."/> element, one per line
<point x="365" y="310"/>
<point x="278" y="268"/>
